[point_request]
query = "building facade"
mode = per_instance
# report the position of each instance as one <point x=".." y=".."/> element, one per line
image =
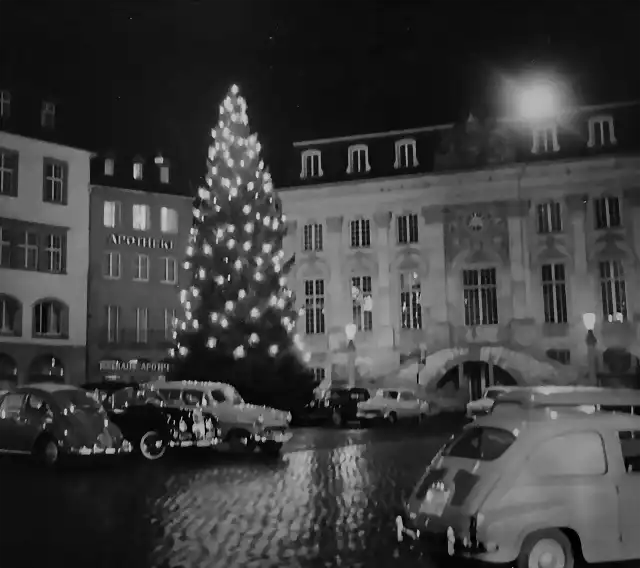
<point x="484" y="241"/>
<point x="44" y="254"/>
<point x="139" y="229"/>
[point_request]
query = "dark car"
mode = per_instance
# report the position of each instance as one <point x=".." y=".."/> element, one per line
<point x="49" y="420"/>
<point x="152" y="426"/>
<point x="339" y="405"/>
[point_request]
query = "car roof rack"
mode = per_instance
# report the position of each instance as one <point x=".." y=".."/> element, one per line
<point x="546" y="396"/>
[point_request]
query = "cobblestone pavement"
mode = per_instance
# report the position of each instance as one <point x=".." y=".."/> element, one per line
<point x="328" y="502"/>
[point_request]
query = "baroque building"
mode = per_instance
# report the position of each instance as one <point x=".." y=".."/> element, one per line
<point x="471" y="250"/>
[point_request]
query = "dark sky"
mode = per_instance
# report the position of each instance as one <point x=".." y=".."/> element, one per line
<point x="150" y="74"/>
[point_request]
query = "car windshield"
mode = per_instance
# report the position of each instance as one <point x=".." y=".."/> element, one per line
<point x="78" y="398"/>
<point x="233" y="396"/>
<point x="493" y="394"/>
<point x="480" y="443"/>
<point x="360" y="395"/>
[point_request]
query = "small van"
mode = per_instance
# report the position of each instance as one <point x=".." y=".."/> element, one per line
<point x="550" y="477"/>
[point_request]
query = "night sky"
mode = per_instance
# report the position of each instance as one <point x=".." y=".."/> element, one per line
<point x="149" y="75"/>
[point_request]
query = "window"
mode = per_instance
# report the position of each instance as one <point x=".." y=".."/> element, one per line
<point x="169" y="319"/>
<point x="56" y="253"/>
<point x="312" y="237"/>
<point x="576" y="453"/>
<point x="480" y="297"/>
<point x="113" y="324"/>
<point x="480" y="443"/>
<point x="29" y="251"/>
<point x="560" y="355"/>
<point x="362" y="302"/>
<point x="141" y="268"/>
<point x="5" y="248"/>
<point x="358" y="159"/>
<point x="360" y="233"/>
<point x="554" y="293"/>
<point x="614" y="291"/>
<point x="630" y="445"/>
<point x="47" y="318"/>
<point x="549" y="218"/>
<point x="111" y="265"/>
<point x="319" y="374"/>
<point x="9" y="312"/>
<point x="170" y="275"/>
<point x="406" y="156"/>
<point x="311" y="164"/>
<point x="410" y="307"/>
<point x="314" y="306"/>
<point x="8" y="173"/>
<point x="11" y="405"/>
<point x="545" y="139"/>
<point x="407" y="229"/>
<point x="55" y="182"/>
<point x="142" y="324"/>
<point x="109" y="166"/>
<point x="168" y="220"/>
<point x="48" y="115"/>
<point x="607" y="212"/>
<point x="5" y="104"/>
<point x="141" y="217"/>
<point x="112" y="214"/>
<point x="601" y="131"/>
<point x="164" y="174"/>
<point x="137" y="170"/>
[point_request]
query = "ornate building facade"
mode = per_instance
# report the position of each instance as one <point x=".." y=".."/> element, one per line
<point x="481" y="241"/>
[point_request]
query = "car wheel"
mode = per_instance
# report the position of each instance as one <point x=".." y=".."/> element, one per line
<point x="546" y="549"/>
<point x="46" y="451"/>
<point x="337" y="419"/>
<point x="240" y="442"/>
<point x="152" y="446"/>
<point x="271" y="449"/>
<point x="392" y="418"/>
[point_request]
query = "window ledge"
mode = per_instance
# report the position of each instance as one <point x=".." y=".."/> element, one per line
<point x="57" y="336"/>
<point x="9" y="333"/>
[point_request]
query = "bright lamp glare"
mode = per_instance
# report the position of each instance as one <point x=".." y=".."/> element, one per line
<point x="589" y="321"/>
<point x="350" y="331"/>
<point x="538" y="102"/>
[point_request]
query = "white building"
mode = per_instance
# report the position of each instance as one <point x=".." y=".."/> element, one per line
<point x="44" y="257"/>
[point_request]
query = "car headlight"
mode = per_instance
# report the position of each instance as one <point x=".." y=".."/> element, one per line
<point x="289" y="417"/>
<point x="260" y="419"/>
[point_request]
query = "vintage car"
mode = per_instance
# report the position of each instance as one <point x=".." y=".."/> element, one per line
<point x="338" y="405"/>
<point x="392" y="405"/>
<point x="244" y="426"/>
<point x="151" y="425"/>
<point x="50" y="420"/>
<point x="545" y="479"/>
<point x="482" y="406"/>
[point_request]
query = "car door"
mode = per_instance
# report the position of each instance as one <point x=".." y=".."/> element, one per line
<point x="408" y="405"/>
<point x="11" y="421"/>
<point x="36" y="416"/>
<point x="629" y="493"/>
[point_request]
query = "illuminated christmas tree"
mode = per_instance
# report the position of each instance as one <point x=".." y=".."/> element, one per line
<point x="239" y="315"/>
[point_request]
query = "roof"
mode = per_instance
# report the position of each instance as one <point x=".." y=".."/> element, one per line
<point x="572" y="396"/>
<point x="47" y="387"/>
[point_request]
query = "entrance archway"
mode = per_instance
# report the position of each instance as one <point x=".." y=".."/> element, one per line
<point x="8" y="371"/>
<point x="476" y="377"/>
<point x="46" y="369"/>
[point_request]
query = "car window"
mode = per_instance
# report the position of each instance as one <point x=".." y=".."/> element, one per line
<point x="37" y="404"/>
<point x="11" y="405"/>
<point x="630" y="443"/>
<point x="338" y="394"/>
<point x="218" y="396"/>
<point x="171" y="395"/>
<point x="480" y="443"/>
<point x="390" y="394"/>
<point x="193" y="397"/>
<point x="233" y="396"/>
<point x="575" y="453"/>
<point x="407" y="396"/>
<point x="359" y="395"/>
<point x="493" y="394"/>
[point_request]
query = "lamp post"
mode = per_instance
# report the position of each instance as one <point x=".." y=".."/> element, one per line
<point x="589" y="321"/>
<point x="350" y="331"/>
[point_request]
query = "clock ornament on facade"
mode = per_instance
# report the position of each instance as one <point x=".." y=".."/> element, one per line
<point x="475" y="222"/>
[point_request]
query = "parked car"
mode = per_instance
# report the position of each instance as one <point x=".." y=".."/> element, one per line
<point x="338" y="405"/>
<point x="482" y="406"/>
<point x="50" y="420"/>
<point x="243" y="426"/>
<point x="148" y="423"/>
<point x="545" y="478"/>
<point x="392" y="405"/>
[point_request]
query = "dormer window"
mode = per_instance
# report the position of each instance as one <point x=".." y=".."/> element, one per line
<point x="358" y="159"/>
<point x="5" y="104"/>
<point x="545" y="139"/>
<point x="311" y="164"/>
<point x="601" y="131"/>
<point x="109" y="165"/>
<point x="164" y="173"/>
<point x="406" y="155"/>
<point x="48" y="115"/>
<point x="137" y="170"/>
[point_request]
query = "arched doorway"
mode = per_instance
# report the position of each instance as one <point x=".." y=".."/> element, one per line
<point x="8" y="371"/>
<point x="46" y="369"/>
<point x="476" y="376"/>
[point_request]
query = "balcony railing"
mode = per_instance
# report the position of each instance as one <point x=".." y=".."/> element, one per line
<point x="151" y="339"/>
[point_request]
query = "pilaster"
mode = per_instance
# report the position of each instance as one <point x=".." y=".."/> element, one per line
<point x="290" y="244"/>
<point x="517" y="212"/>
<point x="338" y="294"/>
<point x="632" y="218"/>
<point x="382" y="303"/>
<point x="583" y="298"/>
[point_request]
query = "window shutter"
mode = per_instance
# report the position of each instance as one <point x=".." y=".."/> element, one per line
<point x="63" y="251"/>
<point x="44" y="179"/>
<point x="13" y="159"/>
<point x="42" y="240"/>
<point x="34" y="311"/>
<point x="64" y="319"/>
<point x="17" y="317"/>
<point x="65" y="183"/>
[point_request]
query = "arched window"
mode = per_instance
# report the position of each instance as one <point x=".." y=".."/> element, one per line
<point x="8" y="371"/>
<point x="10" y="315"/>
<point x="50" y="319"/>
<point x="45" y="369"/>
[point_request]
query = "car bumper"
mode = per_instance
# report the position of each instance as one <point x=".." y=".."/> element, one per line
<point x="369" y="415"/>
<point x="188" y="440"/>
<point x="124" y="448"/>
<point x="276" y="437"/>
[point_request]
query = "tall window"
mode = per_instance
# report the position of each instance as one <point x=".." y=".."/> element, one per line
<point x="319" y="373"/>
<point x="360" y="233"/>
<point x="9" y="313"/>
<point x="5" y="248"/>
<point x="545" y="139"/>
<point x="170" y="270"/>
<point x="311" y="164"/>
<point x="362" y="302"/>
<point x="407" y="229"/>
<point x="29" y="250"/>
<point x="55" y="253"/>
<point x="141" y="268"/>
<point x="358" y="159"/>
<point x="5" y="104"/>
<point x="169" y="318"/>
<point x="554" y="293"/>
<point x="109" y="166"/>
<point x="312" y="236"/>
<point x="48" y="115"/>
<point x="614" y="291"/>
<point x="406" y="155"/>
<point x="410" y="300"/>
<point x="601" y="131"/>
<point x="111" y="215"/>
<point x="141" y="217"/>
<point x="314" y="306"/>
<point x="142" y="325"/>
<point x="8" y="173"/>
<point x="607" y="212"/>
<point x="549" y="217"/>
<point x="480" y="297"/>
<point x="137" y="170"/>
<point x="111" y="267"/>
<point x="113" y="324"/>
<point x="168" y="220"/>
<point x="55" y="183"/>
<point x="47" y="318"/>
<point x="164" y="174"/>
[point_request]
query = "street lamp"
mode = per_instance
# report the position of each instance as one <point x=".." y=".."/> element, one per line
<point x="350" y="331"/>
<point x="538" y="101"/>
<point x="589" y="321"/>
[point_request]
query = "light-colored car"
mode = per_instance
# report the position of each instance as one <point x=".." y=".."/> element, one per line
<point x="483" y="405"/>
<point x="547" y="477"/>
<point x="392" y="405"/>
<point x="242" y="425"/>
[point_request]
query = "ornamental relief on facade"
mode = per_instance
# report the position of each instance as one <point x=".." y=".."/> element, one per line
<point x="551" y="249"/>
<point x="362" y="263"/>
<point x="611" y="246"/>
